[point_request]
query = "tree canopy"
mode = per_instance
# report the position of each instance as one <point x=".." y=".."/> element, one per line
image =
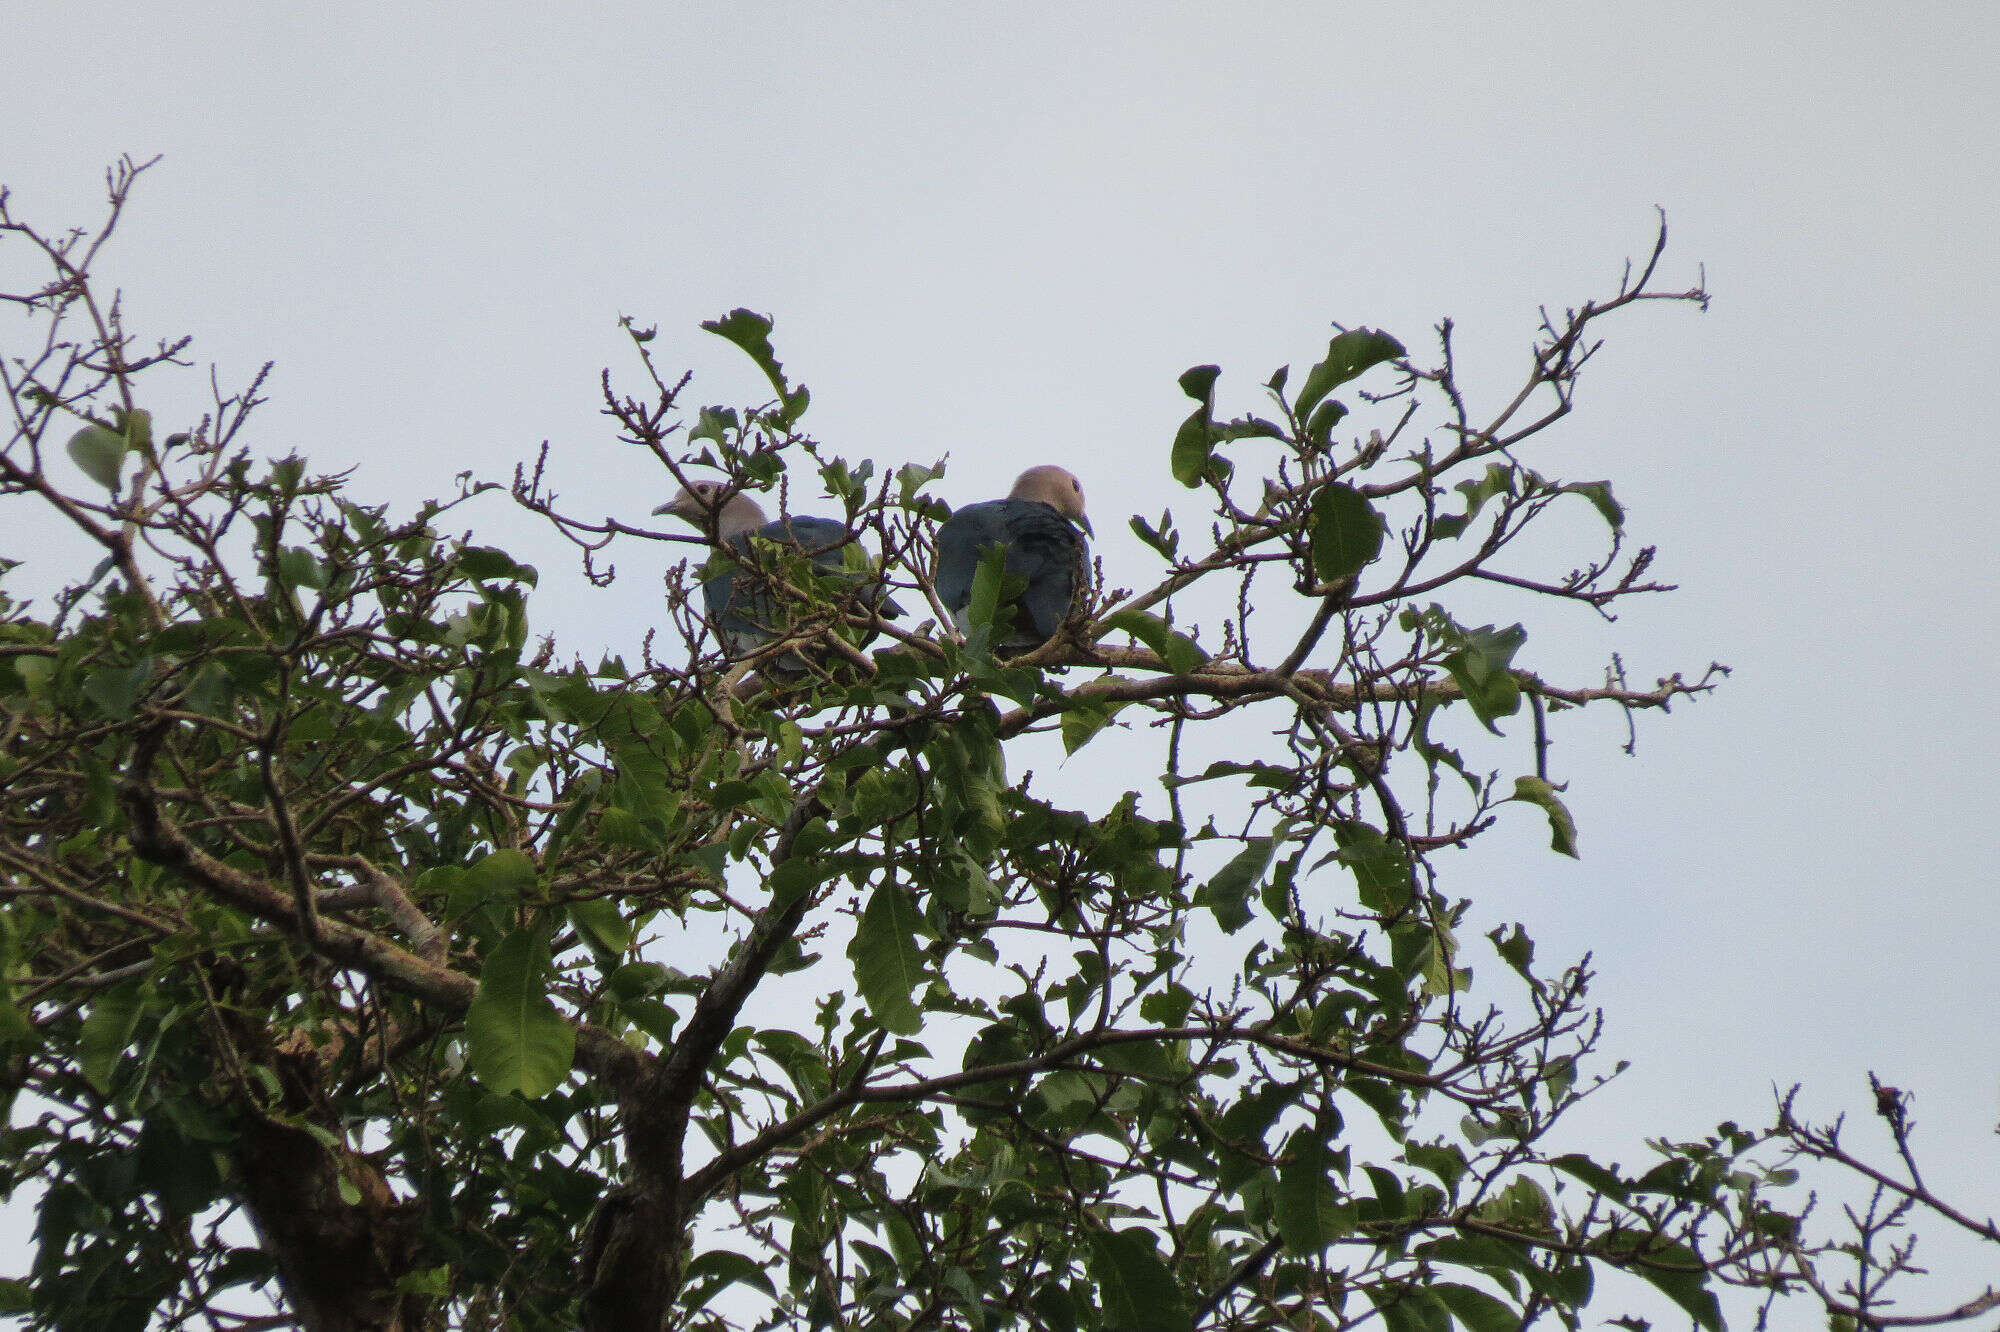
<point x="368" y="957"/>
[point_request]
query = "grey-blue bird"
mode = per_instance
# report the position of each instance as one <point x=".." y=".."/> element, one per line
<point x="748" y="617"/>
<point x="1036" y="526"/>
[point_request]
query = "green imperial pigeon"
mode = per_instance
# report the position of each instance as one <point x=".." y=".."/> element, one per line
<point x="1037" y="529"/>
<point x="748" y="617"/>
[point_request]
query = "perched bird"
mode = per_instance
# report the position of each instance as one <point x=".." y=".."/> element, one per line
<point x="1036" y="528"/>
<point x="748" y="615"/>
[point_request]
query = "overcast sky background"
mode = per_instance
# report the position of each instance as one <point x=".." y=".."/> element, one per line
<point x="1004" y="232"/>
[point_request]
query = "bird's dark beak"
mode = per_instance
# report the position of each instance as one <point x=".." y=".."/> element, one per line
<point x="1084" y="523"/>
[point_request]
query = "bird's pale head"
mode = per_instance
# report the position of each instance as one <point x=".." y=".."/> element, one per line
<point x="731" y="513"/>
<point x="1056" y="487"/>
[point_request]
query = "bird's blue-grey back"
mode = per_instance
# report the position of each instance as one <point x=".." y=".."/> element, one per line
<point x="1042" y="548"/>
<point x="748" y="616"/>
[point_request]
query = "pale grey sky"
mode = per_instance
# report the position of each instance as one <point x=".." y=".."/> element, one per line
<point x="1003" y="231"/>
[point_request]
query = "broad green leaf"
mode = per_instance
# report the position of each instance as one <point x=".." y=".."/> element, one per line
<point x="1445" y="1160"/>
<point x="983" y="606"/>
<point x="515" y="1039"/>
<point x="1410" y="1309"/>
<point x="491" y="564"/>
<point x="506" y="875"/>
<point x="888" y="962"/>
<point x="99" y="454"/>
<point x="1346" y="532"/>
<point x="1325" y="417"/>
<point x="1480" y="666"/>
<point x="1082" y="722"/>
<point x="1600" y="1178"/>
<point x="1163" y="539"/>
<point x="1195" y="438"/>
<point x="138" y="427"/>
<point x="1176" y="649"/>
<point x="1311" y="1212"/>
<point x="1687" y="1287"/>
<point x="1599" y="494"/>
<point x="600" y="919"/>
<point x="116" y="689"/>
<point x="1562" y="827"/>
<point x="1138" y="1291"/>
<point x="431" y="1281"/>
<point x="1381" y="867"/>
<point x="709" y="1272"/>
<point x="716" y="423"/>
<point x="299" y="567"/>
<point x="180" y="1173"/>
<point x="1348" y="356"/>
<point x="1492" y="1256"/>
<point x="1522" y="1205"/>
<point x="1228" y="893"/>
<point x="107" y="1030"/>
<point x="911" y="478"/>
<point x="1248" y="427"/>
<point x="1270" y="776"/>
<point x="1475" y="1310"/>
<point x="1516" y="949"/>
<point x="752" y="332"/>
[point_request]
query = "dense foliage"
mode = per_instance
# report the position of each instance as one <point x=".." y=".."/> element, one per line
<point x="494" y="987"/>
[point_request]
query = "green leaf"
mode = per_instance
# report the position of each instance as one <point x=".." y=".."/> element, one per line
<point x="1346" y="532"/>
<point x="716" y="423"/>
<point x="1516" y="949"/>
<point x="1480" y="666"/>
<point x="99" y="454"/>
<point x="1381" y="867"/>
<point x="1181" y="654"/>
<point x="1163" y="538"/>
<point x="1562" y="827"/>
<point x="1598" y="1177"/>
<point x="505" y="876"/>
<point x="515" y="1039"/>
<point x="911" y="478"/>
<point x="1194" y="439"/>
<point x="116" y="689"/>
<point x="1475" y="1310"/>
<point x="1228" y="893"/>
<point x="1138" y="1291"/>
<point x="1687" y="1288"/>
<point x="1498" y="479"/>
<point x="138" y="427"/>
<point x="491" y="564"/>
<point x="1082" y="722"/>
<point x="299" y="567"/>
<point x="600" y="919"/>
<point x="1410" y="1309"/>
<point x="983" y="605"/>
<point x="1347" y="357"/>
<point x="1599" y="494"/>
<point x="1310" y="1211"/>
<point x="180" y="1173"/>
<point x="888" y="963"/>
<point x="1270" y="776"/>
<point x="1248" y="427"/>
<point x="107" y="1030"/>
<point x="1324" y="418"/>
<point x="709" y="1272"/>
<point x="752" y="332"/>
